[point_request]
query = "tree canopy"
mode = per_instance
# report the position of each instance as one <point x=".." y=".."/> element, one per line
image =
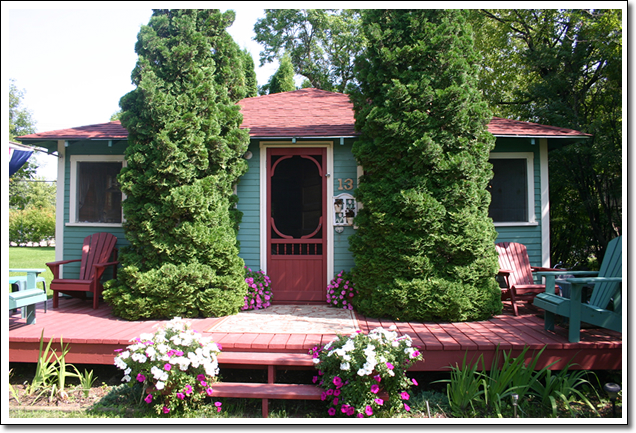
<point x="322" y="43"/>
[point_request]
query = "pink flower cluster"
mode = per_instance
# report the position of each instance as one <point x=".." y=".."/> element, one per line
<point x="341" y="291"/>
<point x="259" y="295"/>
<point x="186" y="391"/>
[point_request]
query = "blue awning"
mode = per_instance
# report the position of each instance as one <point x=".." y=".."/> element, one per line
<point x="19" y="154"/>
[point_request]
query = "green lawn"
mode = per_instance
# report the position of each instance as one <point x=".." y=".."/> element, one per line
<point x="32" y="258"/>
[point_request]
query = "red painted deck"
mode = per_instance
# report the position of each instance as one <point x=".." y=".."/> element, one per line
<point x="93" y="335"/>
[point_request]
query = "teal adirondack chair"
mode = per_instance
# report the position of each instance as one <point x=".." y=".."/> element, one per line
<point x="604" y="308"/>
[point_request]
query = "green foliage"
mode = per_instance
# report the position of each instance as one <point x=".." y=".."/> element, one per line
<point x="20" y="119"/>
<point x="563" y="67"/>
<point x="322" y="43"/>
<point x="50" y="375"/>
<point x="184" y="158"/>
<point x="86" y="381"/>
<point x="33" y="224"/>
<point x="283" y="79"/>
<point x="463" y="388"/>
<point x="424" y="248"/>
<point x="513" y="376"/>
<point x="251" y="82"/>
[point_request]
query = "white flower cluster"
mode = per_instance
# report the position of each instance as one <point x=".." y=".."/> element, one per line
<point x="382" y="340"/>
<point x="174" y="345"/>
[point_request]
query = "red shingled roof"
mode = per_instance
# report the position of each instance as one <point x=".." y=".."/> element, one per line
<point x="506" y="127"/>
<point x="99" y="131"/>
<point x="301" y="113"/>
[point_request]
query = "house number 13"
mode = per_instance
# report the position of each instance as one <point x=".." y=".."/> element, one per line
<point x="348" y="184"/>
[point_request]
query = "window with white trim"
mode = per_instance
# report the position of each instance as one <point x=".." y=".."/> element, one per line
<point x="512" y="188"/>
<point x="95" y="196"/>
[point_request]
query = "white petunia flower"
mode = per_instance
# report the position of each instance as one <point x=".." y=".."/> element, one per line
<point x="159" y="385"/>
<point x="345" y="366"/>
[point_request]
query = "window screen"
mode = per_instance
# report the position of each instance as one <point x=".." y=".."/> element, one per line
<point x="98" y="193"/>
<point x="509" y="190"/>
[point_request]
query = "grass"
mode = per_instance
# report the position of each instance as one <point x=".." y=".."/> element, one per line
<point x="32" y="258"/>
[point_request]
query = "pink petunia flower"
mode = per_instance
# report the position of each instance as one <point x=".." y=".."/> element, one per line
<point x="201" y="377"/>
<point x="378" y="378"/>
<point x="336" y="393"/>
<point x="166" y="409"/>
<point x="414" y="382"/>
<point x="407" y="407"/>
<point x="167" y="367"/>
<point x="405" y="395"/>
<point x="188" y="389"/>
<point x="337" y="381"/>
<point x="181" y="395"/>
<point x="332" y="411"/>
<point x="209" y="391"/>
<point x="335" y="401"/>
<point x="141" y="378"/>
<point x="368" y="410"/>
<point x="148" y="398"/>
<point x="389" y="366"/>
<point x="375" y="388"/>
<point x="379" y="401"/>
<point x="218" y="406"/>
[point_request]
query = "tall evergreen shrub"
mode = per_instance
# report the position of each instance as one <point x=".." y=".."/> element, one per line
<point x="183" y="158"/>
<point x="424" y="249"/>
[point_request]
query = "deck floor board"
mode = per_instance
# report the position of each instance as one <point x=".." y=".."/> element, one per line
<point x="93" y="335"/>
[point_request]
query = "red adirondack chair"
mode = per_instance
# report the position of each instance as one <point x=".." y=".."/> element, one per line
<point x="514" y="267"/>
<point x="96" y="253"/>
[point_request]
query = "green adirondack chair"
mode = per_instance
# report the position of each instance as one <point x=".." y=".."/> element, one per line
<point x="604" y="308"/>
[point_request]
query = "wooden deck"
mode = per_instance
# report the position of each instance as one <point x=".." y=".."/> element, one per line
<point x="93" y="336"/>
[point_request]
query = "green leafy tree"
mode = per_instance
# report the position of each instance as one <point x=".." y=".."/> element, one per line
<point x="21" y="122"/>
<point x="184" y="157"/>
<point x="564" y="68"/>
<point x="251" y="82"/>
<point x="424" y="248"/>
<point x="283" y="79"/>
<point x="322" y="43"/>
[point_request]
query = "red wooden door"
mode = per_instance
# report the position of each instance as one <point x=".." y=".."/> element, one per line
<point x="296" y="224"/>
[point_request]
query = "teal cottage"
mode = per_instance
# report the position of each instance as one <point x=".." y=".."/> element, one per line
<point x="297" y="197"/>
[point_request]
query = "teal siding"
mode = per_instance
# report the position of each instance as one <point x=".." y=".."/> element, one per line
<point x="74" y="235"/>
<point x="344" y="167"/>
<point x="530" y="236"/>
<point x="248" y="191"/>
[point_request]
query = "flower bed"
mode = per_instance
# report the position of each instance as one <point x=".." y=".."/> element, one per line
<point x="259" y="295"/>
<point x="340" y="291"/>
<point x="364" y="375"/>
<point x="175" y="365"/>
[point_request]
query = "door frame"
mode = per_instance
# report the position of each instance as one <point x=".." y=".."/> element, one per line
<point x="328" y="224"/>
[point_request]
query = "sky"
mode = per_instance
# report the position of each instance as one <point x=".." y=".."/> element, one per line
<point x="74" y="64"/>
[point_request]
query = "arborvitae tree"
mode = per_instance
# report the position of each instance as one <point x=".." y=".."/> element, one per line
<point x="183" y="158"/>
<point x="250" y="74"/>
<point x="283" y="78"/>
<point x="424" y="248"/>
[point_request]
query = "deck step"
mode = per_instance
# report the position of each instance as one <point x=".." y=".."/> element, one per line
<point x="266" y="391"/>
<point x="266" y="359"/>
<point x="283" y="391"/>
